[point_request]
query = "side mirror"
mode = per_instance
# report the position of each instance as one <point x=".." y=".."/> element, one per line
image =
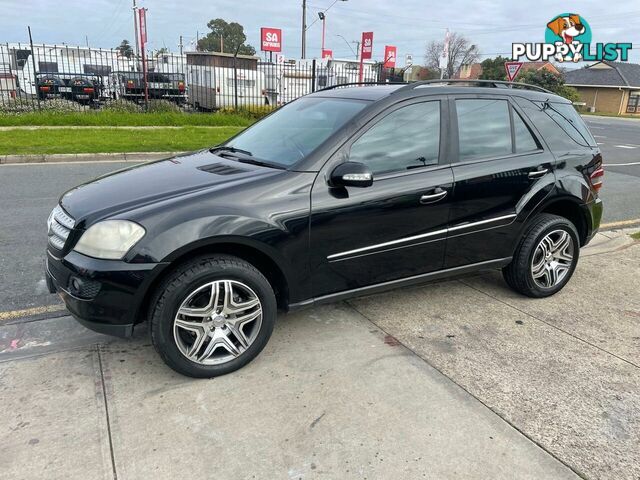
<point x="351" y="174"/>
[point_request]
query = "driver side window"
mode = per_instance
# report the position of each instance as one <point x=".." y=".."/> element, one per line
<point x="405" y="139"/>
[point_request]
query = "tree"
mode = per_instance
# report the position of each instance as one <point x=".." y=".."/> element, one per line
<point x="161" y="51"/>
<point x="125" y="49"/>
<point x="232" y="35"/>
<point x="493" y="69"/>
<point x="461" y="51"/>
<point x="551" y="81"/>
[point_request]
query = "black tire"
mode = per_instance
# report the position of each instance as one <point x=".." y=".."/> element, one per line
<point x="185" y="279"/>
<point x="518" y="274"/>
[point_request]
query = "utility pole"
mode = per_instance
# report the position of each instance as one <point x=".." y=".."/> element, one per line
<point x="221" y="44"/>
<point x="357" y="42"/>
<point x="304" y="29"/>
<point x="135" y="27"/>
<point x="180" y="45"/>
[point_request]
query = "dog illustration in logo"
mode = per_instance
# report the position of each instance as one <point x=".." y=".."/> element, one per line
<point x="567" y="28"/>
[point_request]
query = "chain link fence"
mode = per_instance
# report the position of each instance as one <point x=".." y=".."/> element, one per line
<point x="65" y="78"/>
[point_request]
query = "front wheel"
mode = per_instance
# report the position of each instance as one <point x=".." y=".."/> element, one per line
<point x="212" y="316"/>
<point x="545" y="258"/>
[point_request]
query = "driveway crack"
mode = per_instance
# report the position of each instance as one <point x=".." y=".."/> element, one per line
<point x="530" y="315"/>
<point x="106" y="412"/>
<point x="441" y="372"/>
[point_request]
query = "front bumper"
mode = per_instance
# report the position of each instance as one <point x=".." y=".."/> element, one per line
<point x="103" y="295"/>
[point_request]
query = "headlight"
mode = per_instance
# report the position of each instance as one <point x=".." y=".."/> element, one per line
<point x="110" y="239"/>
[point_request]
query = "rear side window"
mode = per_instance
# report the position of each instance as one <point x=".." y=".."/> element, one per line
<point x="484" y="128"/>
<point x="525" y="141"/>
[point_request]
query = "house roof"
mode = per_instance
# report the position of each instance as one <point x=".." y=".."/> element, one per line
<point x="607" y="74"/>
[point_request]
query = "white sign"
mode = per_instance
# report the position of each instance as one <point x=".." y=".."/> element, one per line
<point x="408" y="60"/>
<point x="280" y="59"/>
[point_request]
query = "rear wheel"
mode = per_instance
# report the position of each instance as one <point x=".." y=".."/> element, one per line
<point x="545" y="258"/>
<point x="212" y="316"/>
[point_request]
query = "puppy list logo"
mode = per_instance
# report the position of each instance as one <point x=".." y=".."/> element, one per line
<point x="568" y="38"/>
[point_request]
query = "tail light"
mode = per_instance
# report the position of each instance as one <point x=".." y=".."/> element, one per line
<point x="181" y="86"/>
<point x="129" y="83"/>
<point x="45" y="89"/>
<point x="88" y="90"/>
<point x="596" y="178"/>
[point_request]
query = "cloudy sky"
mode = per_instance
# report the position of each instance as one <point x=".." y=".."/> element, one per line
<point x="408" y="24"/>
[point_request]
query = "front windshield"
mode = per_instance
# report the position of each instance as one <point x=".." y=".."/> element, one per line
<point x="295" y="130"/>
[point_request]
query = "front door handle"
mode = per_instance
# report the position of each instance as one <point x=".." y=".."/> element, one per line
<point x="538" y="173"/>
<point x="438" y="195"/>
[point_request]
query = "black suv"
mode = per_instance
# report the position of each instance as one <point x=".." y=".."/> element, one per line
<point x="347" y="191"/>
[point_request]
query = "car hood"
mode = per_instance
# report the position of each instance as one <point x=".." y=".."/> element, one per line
<point x="141" y="185"/>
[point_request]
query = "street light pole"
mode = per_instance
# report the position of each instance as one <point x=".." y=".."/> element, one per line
<point x="135" y="27"/>
<point x="304" y="29"/>
<point x="323" y="17"/>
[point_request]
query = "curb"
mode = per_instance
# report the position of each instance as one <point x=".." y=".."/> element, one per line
<point x="87" y="157"/>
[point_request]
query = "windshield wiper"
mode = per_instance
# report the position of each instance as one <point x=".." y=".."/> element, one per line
<point x="261" y="163"/>
<point x="223" y="148"/>
<point x="244" y="156"/>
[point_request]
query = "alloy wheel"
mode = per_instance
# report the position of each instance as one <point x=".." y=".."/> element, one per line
<point x="217" y="322"/>
<point x="552" y="259"/>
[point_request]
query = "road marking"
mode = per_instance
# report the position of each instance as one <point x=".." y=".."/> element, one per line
<point x="622" y="223"/>
<point x="621" y="164"/>
<point x="599" y="136"/>
<point x="600" y="143"/>
<point x="626" y="146"/>
<point x="28" y="312"/>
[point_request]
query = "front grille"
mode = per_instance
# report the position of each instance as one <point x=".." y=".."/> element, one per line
<point x="60" y="225"/>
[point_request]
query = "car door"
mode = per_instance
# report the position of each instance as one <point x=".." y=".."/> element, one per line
<point x="500" y="167"/>
<point x="396" y="227"/>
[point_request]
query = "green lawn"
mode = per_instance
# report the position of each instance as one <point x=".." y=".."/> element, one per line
<point x="635" y="236"/>
<point x="107" y="118"/>
<point x="111" y="140"/>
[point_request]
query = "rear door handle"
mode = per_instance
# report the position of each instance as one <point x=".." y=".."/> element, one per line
<point x="538" y="173"/>
<point x="438" y="195"/>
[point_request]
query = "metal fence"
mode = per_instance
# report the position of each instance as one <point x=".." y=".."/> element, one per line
<point x="54" y="77"/>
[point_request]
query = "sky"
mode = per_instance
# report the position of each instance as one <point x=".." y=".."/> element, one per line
<point x="408" y="24"/>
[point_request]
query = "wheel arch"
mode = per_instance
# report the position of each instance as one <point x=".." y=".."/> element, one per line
<point x="573" y="210"/>
<point x="255" y="254"/>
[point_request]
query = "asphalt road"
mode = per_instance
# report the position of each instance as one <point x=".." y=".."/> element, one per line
<point x="29" y="192"/>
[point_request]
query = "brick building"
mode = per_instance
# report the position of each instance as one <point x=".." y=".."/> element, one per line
<point x="608" y="87"/>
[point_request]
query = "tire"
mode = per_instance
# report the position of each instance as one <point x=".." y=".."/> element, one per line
<point x="537" y="270"/>
<point x="189" y="316"/>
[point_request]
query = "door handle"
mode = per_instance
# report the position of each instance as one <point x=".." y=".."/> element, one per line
<point x="538" y="173"/>
<point x="433" y="197"/>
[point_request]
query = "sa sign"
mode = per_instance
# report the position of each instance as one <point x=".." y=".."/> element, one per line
<point x="271" y="39"/>
<point x="390" y="53"/>
<point x="367" y="46"/>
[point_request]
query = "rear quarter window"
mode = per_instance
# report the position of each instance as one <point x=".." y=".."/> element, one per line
<point x="558" y="133"/>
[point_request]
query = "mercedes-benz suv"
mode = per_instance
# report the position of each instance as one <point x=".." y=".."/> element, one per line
<point x="343" y="192"/>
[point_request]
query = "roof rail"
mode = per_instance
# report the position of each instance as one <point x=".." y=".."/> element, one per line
<point x="482" y="83"/>
<point x="351" y="84"/>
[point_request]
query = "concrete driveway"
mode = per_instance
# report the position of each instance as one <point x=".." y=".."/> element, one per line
<point x="460" y="379"/>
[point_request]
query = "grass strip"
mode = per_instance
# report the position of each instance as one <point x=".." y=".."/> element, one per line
<point x="106" y="140"/>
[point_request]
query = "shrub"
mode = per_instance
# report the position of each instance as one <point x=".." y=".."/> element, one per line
<point x="121" y="106"/>
<point x="162" y="106"/>
<point x="23" y="105"/>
